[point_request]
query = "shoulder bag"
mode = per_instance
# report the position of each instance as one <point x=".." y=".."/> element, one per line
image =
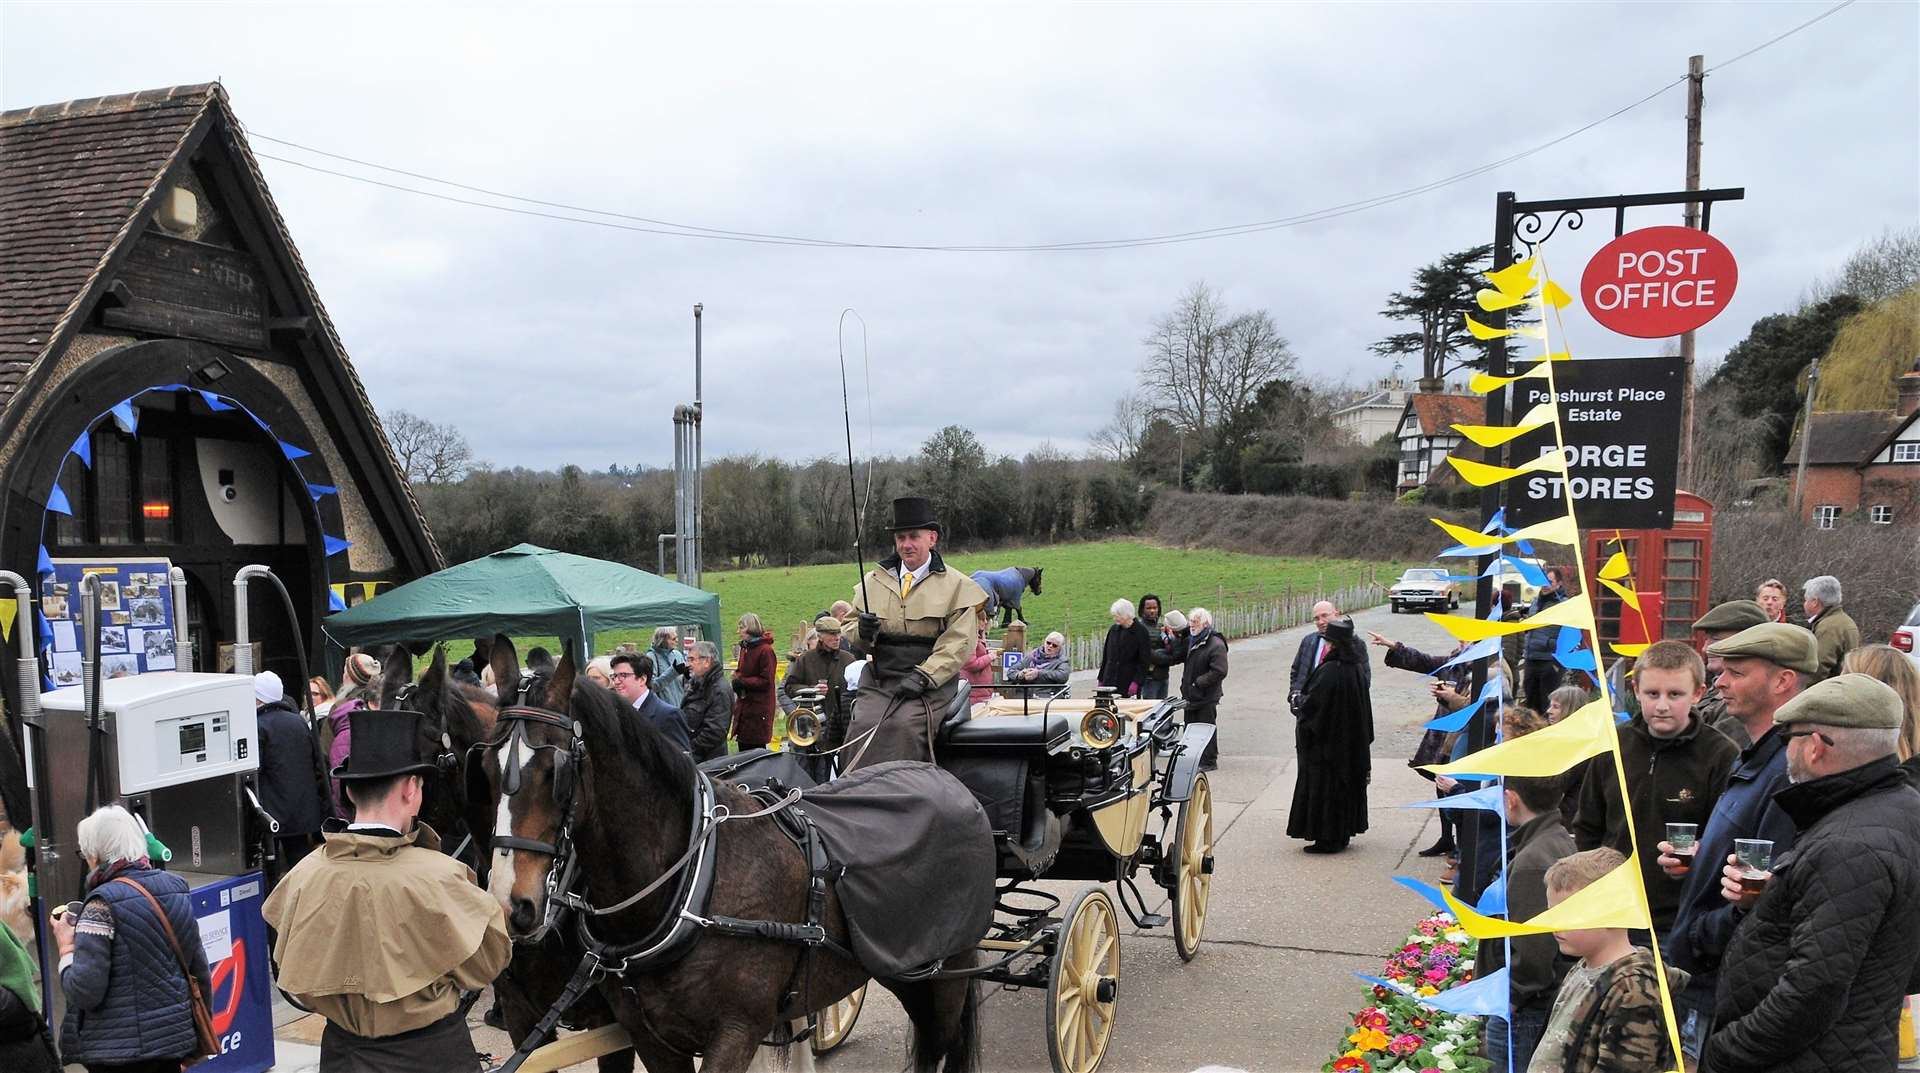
<point x="208" y="1043"/>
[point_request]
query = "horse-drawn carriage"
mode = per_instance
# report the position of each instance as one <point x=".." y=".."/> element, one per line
<point x="1092" y="790"/>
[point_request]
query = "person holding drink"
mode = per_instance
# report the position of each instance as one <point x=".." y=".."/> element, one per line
<point x="1814" y="977"/>
<point x="1761" y="669"/>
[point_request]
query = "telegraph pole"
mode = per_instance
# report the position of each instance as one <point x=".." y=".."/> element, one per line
<point x="1696" y="98"/>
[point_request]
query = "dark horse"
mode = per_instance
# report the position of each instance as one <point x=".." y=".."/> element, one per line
<point x="619" y="800"/>
<point x="1005" y="587"/>
<point x="456" y="717"/>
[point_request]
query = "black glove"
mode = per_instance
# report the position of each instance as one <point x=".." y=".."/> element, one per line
<point x="869" y="628"/>
<point x="914" y="685"/>
<point x="683" y="670"/>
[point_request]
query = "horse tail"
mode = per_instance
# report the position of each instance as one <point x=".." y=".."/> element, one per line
<point x="964" y="1056"/>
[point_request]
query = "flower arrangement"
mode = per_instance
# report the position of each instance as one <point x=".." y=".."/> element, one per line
<point x="1395" y="1032"/>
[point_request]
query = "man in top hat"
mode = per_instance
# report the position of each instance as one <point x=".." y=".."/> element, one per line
<point x="379" y="931"/>
<point x="917" y="627"/>
<point x="1813" y="978"/>
<point x="825" y="665"/>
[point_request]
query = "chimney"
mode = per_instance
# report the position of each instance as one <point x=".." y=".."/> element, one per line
<point x="1907" y="392"/>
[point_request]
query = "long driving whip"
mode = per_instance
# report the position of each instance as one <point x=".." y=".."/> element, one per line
<point x="846" y="414"/>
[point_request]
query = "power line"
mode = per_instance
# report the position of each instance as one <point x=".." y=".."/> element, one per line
<point x="593" y="217"/>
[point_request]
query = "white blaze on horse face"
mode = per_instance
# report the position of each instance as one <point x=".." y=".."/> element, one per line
<point x="500" y="877"/>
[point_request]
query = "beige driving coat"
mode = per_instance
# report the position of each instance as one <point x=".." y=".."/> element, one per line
<point x="379" y="933"/>
<point x="931" y="631"/>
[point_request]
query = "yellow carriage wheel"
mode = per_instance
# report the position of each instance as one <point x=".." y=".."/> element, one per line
<point x="1193" y="879"/>
<point x="835" y="1023"/>
<point x="1084" y="984"/>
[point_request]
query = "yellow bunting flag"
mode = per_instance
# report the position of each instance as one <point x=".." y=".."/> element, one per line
<point x="1482" y="331"/>
<point x="1587" y="732"/>
<point x="1485" y="382"/>
<point x="1559" y="530"/>
<point x="9" y="608"/>
<point x="1627" y="595"/>
<point x="1554" y="296"/>
<point x="1612" y="901"/>
<point x="1494" y="301"/>
<point x="1568" y="612"/>
<point x="1494" y="435"/>
<point x="1616" y="568"/>
<point x="1480" y="474"/>
<point x="1515" y="279"/>
<point x="1629" y="651"/>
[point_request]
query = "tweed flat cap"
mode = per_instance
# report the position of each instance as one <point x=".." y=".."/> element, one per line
<point x="1846" y="700"/>
<point x="827" y="624"/>
<point x="1732" y="617"/>
<point x="1780" y="643"/>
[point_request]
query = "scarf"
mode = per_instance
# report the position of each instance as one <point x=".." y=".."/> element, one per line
<point x="16" y="969"/>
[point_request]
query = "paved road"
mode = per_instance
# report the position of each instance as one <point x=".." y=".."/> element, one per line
<point x="1272" y="988"/>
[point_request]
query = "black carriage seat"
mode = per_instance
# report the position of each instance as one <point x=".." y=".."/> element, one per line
<point x="1003" y="760"/>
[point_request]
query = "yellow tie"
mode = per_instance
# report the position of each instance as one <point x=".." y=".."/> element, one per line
<point x="906" y="583"/>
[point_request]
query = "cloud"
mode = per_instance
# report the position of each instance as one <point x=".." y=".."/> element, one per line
<point x="551" y="342"/>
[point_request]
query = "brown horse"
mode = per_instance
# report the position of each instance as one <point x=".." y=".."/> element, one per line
<point x="465" y="716"/>
<point x="585" y="781"/>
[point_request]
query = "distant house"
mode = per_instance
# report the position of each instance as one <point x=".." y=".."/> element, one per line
<point x="1863" y="461"/>
<point x="1374" y="414"/>
<point x="1426" y="433"/>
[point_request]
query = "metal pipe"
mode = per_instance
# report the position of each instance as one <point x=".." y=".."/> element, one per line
<point x="90" y="649"/>
<point x="697" y="481"/>
<point x="660" y="548"/>
<point x="242" y="643"/>
<point x="182" y="636"/>
<point x="27" y="663"/>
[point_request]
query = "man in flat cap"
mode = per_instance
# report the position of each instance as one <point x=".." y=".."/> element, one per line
<point x="1719" y="624"/>
<point x="825" y="667"/>
<point x="1814" y="977"/>
<point x="917" y="627"/>
<point x="1761" y="668"/>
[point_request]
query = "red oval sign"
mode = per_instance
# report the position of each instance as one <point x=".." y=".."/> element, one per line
<point x="1659" y="281"/>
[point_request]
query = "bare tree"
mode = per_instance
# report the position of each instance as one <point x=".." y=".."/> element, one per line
<point x="1250" y="354"/>
<point x="1181" y="370"/>
<point x="1878" y="270"/>
<point x="1119" y="439"/>
<point x="429" y="453"/>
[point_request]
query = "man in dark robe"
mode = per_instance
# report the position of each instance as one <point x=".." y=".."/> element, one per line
<point x="1331" y="736"/>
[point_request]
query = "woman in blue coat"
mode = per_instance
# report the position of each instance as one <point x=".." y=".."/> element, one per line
<point x="128" y="1001"/>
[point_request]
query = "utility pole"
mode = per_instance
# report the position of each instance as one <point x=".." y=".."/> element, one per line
<point x="1806" y="436"/>
<point x="1696" y="98"/>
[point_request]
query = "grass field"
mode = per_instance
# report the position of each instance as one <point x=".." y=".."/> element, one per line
<point x="1081" y="582"/>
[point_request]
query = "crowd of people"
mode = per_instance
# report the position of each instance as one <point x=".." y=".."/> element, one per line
<point x="1770" y="791"/>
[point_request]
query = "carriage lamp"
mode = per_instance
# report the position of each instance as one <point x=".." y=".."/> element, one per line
<point x="1100" y="728"/>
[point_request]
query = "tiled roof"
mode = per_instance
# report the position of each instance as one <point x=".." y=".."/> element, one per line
<point x="74" y="179"/>
<point x="71" y="177"/>
<point x="1439" y="413"/>
<point x="1845" y="438"/>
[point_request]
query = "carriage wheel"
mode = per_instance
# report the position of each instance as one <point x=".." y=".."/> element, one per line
<point x="1084" y="983"/>
<point x="1193" y="879"/>
<point x="835" y="1022"/>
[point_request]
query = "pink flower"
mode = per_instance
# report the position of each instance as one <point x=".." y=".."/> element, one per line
<point x="1434" y="975"/>
<point x="1404" y="1044"/>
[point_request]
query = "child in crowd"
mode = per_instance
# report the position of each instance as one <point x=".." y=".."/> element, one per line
<point x="1675" y="770"/>
<point x="1606" y="1018"/>
<point x="1535" y="841"/>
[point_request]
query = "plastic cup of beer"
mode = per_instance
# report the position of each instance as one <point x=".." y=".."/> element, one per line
<point x="1755" y="856"/>
<point x="1685" y="839"/>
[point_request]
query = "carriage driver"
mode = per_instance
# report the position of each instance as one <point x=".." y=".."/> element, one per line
<point x="379" y="931"/>
<point x="918" y="632"/>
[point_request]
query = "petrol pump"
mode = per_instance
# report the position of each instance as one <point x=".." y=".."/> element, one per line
<point x="180" y="750"/>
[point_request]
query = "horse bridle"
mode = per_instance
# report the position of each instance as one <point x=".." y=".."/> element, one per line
<point x="567" y="761"/>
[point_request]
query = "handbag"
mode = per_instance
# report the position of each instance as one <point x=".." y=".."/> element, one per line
<point x="206" y="1040"/>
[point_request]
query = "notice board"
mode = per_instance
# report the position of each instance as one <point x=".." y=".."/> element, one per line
<point x="136" y="617"/>
<point x="1620" y="419"/>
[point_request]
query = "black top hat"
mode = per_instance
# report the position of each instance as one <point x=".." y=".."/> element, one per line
<point x="1340" y="630"/>
<point x="384" y="744"/>
<point x="913" y="512"/>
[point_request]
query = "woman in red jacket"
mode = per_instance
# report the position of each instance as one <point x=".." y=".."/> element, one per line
<point x="754" y="680"/>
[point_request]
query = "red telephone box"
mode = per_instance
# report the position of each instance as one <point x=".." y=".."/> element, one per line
<point x="1671" y="569"/>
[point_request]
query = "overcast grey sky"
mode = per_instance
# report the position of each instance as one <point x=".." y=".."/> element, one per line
<point x="551" y="342"/>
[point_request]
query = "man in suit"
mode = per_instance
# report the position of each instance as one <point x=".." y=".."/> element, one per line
<point x="632" y="679"/>
<point x="1313" y="649"/>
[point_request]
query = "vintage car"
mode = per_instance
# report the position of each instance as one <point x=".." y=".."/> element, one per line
<point x="1424" y="587"/>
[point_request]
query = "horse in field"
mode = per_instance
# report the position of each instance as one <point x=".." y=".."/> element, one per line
<point x="1005" y="587"/>
<point x="581" y="792"/>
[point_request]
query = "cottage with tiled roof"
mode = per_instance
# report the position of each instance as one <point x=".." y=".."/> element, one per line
<point x="171" y="388"/>
<point x="1862" y="462"/>
<point x="1426" y="434"/>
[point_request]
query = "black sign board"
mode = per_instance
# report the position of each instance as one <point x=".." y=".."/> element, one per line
<point x="1620" y="418"/>
<point x="191" y="290"/>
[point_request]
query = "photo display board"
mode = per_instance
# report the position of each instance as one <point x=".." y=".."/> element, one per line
<point x="1620" y="419"/>
<point x="136" y="617"/>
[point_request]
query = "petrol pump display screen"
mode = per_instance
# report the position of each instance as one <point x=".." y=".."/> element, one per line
<point x="193" y="738"/>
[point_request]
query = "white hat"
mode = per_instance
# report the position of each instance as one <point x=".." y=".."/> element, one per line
<point x="267" y="687"/>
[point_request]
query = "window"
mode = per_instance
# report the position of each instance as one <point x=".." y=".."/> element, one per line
<point x="1825" y="516"/>
<point x="156" y="491"/>
<point x="113" y="476"/>
<point x="1882" y="514"/>
<point x="1906" y="452"/>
